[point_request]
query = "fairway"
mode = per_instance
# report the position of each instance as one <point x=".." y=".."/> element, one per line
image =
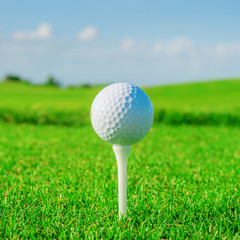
<point x="204" y="103"/>
<point x="183" y="182"/>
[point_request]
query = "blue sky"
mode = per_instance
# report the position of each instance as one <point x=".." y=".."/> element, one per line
<point x="143" y="42"/>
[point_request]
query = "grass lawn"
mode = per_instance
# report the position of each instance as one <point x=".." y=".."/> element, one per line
<point x="215" y="96"/>
<point x="61" y="182"/>
<point x="207" y="103"/>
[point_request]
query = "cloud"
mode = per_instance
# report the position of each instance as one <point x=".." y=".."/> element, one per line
<point x="158" y="48"/>
<point x="173" y="47"/>
<point x="230" y="49"/>
<point x="87" y="34"/>
<point x="185" y="47"/>
<point x="170" y="60"/>
<point x="44" y="31"/>
<point x="127" y="44"/>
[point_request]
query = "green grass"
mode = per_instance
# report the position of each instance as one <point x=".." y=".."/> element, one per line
<point x="207" y="103"/>
<point x="42" y="97"/>
<point x="61" y="182"/>
<point x="205" y="96"/>
<point x="215" y="96"/>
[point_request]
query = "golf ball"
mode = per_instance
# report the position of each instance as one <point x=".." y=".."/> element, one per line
<point x="122" y="114"/>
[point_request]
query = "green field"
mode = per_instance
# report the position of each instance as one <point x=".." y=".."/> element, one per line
<point x="215" y="96"/>
<point x="207" y="103"/>
<point x="60" y="181"/>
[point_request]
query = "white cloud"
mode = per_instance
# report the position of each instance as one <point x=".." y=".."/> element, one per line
<point x="230" y="49"/>
<point x="158" y="48"/>
<point x="127" y="44"/>
<point x="87" y="34"/>
<point x="173" y="60"/>
<point x="184" y="46"/>
<point x="44" y="31"/>
<point x="173" y="47"/>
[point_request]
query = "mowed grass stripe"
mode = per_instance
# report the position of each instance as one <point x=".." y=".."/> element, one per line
<point x="183" y="182"/>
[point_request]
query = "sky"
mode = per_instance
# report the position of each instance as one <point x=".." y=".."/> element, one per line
<point x="146" y="43"/>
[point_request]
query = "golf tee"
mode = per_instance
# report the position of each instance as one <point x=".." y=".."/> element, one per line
<point x="122" y="153"/>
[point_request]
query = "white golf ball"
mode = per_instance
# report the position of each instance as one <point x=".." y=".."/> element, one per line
<point x="122" y="114"/>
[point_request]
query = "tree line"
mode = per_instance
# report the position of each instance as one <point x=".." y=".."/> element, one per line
<point x="50" y="81"/>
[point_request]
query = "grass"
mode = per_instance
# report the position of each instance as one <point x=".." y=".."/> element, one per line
<point x="217" y="96"/>
<point x="61" y="182"/>
<point x="214" y="96"/>
<point x="207" y="103"/>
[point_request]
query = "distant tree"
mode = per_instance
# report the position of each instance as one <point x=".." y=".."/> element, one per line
<point x="12" y="78"/>
<point x="51" y="81"/>
<point x="86" y="85"/>
<point x="15" y="78"/>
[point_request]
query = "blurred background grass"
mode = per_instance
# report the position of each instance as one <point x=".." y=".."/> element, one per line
<point x="205" y="103"/>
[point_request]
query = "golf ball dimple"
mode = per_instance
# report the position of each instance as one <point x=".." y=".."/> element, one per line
<point x="122" y="114"/>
